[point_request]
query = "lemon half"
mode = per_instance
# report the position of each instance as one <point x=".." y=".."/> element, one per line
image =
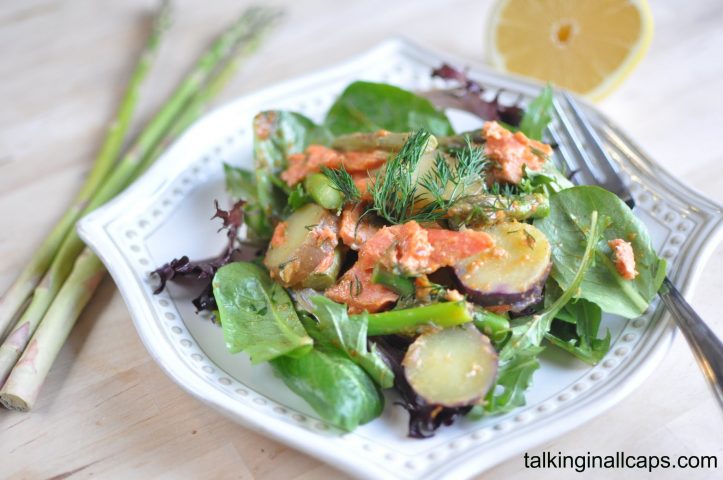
<point x="587" y="46"/>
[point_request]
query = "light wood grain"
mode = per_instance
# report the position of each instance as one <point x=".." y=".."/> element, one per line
<point x="108" y="411"/>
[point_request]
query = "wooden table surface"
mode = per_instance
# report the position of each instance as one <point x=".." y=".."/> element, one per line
<point x="108" y="411"/>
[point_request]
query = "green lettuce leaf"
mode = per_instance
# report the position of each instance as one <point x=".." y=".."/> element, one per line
<point x="367" y="107"/>
<point x="257" y="315"/>
<point x="240" y="183"/>
<point x="336" y="329"/>
<point x="576" y="327"/>
<point x="278" y="134"/>
<point x="565" y="227"/>
<point x="538" y="114"/>
<point x="335" y="387"/>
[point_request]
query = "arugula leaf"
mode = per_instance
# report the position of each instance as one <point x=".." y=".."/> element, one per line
<point x="575" y="328"/>
<point x="580" y="337"/>
<point x="565" y="227"/>
<point x="538" y="114"/>
<point x="518" y="357"/>
<point x="336" y="329"/>
<point x="513" y="379"/>
<point x="335" y="387"/>
<point x="257" y="315"/>
<point x="367" y="107"/>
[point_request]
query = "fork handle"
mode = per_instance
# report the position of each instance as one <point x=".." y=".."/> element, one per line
<point x="706" y="347"/>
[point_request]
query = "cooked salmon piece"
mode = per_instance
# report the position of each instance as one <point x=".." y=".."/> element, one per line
<point x="510" y="152"/>
<point x="415" y="250"/>
<point x="279" y="236"/>
<point x="624" y="258"/>
<point x="363" y="161"/>
<point x="359" y="293"/>
<point x="408" y="248"/>
<point x="311" y="161"/>
<point x="363" y="180"/>
<point x="449" y="247"/>
<point x="400" y="247"/>
<point x="318" y="156"/>
<point x="354" y="230"/>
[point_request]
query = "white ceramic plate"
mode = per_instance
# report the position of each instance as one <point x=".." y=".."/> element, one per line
<point x="165" y="215"/>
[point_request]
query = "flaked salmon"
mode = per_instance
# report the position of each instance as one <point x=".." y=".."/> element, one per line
<point x="510" y="152"/>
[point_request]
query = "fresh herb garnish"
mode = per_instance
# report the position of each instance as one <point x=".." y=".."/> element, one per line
<point x="468" y="170"/>
<point x="342" y="181"/>
<point x="394" y="192"/>
<point x="396" y="196"/>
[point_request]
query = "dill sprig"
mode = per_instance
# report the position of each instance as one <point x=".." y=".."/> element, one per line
<point x="468" y="170"/>
<point x="397" y="198"/>
<point x="341" y="180"/>
<point x="394" y="192"/>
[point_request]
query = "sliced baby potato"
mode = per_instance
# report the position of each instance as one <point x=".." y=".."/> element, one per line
<point x="323" y="278"/>
<point x="304" y="247"/>
<point x="511" y="274"/>
<point x="453" y="367"/>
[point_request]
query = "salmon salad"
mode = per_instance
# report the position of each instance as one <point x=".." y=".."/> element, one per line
<point x="377" y="255"/>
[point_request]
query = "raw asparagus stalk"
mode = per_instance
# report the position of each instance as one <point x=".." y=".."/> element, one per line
<point x="487" y="209"/>
<point x="409" y="320"/>
<point x="22" y="386"/>
<point x="197" y="105"/>
<point x="15" y="297"/>
<point x="251" y="23"/>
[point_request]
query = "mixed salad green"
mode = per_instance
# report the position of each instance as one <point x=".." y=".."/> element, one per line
<point x="384" y="250"/>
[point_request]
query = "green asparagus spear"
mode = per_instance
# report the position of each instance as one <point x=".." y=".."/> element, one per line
<point x="381" y="140"/>
<point x="460" y="140"/>
<point x="496" y="327"/>
<point x="487" y="209"/>
<point x="15" y="297"/>
<point x="252" y="23"/>
<point x="402" y="286"/>
<point x="20" y="390"/>
<point x="410" y="320"/>
<point x="322" y="191"/>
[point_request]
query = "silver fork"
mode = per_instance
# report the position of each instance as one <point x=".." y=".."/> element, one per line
<point x="599" y="167"/>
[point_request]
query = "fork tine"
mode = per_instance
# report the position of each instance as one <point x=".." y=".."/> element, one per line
<point x="564" y="158"/>
<point x="579" y="152"/>
<point x="613" y="180"/>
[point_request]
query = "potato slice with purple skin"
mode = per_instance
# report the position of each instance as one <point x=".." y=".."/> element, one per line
<point x="513" y="273"/>
<point x="452" y="367"/>
<point x="308" y="249"/>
